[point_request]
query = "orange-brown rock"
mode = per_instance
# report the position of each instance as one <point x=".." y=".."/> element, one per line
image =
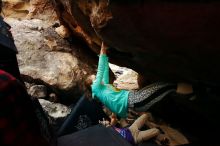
<point x="169" y="40"/>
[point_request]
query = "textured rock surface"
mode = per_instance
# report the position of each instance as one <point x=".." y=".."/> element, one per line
<point x="125" y="78"/>
<point x="45" y="56"/>
<point x="55" y="110"/>
<point x="28" y="9"/>
<point x="38" y="91"/>
<point x="161" y="40"/>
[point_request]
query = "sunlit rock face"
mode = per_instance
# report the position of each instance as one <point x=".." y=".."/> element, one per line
<point x="29" y="9"/>
<point x="55" y="110"/>
<point x="169" y="40"/>
<point x="45" y="52"/>
<point x="125" y="78"/>
<point x="46" y="57"/>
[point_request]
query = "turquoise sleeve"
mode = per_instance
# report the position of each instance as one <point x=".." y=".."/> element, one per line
<point x="100" y="71"/>
<point x="106" y="72"/>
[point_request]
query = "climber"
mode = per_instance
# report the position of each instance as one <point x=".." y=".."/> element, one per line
<point x="118" y="101"/>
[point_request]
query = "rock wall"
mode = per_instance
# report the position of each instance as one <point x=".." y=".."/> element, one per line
<point x="28" y="9"/>
<point x="48" y="58"/>
<point x="162" y="41"/>
<point x="169" y="40"/>
<point x="48" y="53"/>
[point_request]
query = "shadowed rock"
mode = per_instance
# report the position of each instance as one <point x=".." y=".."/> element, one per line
<point x="169" y="40"/>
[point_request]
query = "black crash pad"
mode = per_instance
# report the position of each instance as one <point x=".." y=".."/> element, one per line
<point x="97" y="135"/>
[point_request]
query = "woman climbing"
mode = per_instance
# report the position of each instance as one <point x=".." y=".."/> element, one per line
<point x="118" y="101"/>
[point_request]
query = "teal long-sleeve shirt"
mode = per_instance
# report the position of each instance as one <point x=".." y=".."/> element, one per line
<point x="114" y="99"/>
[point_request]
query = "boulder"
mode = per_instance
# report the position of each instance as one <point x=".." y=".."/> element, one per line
<point x="55" y="110"/>
<point x="125" y="78"/>
<point x="29" y="9"/>
<point x="38" y="91"/>
<point x="162" y="40"/>
<point x="169" y="40"/>
<point x="45" y="57"/>
<point x="63" y="31"/>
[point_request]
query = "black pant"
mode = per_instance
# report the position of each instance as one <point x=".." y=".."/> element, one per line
<point x="84" y="114"/>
